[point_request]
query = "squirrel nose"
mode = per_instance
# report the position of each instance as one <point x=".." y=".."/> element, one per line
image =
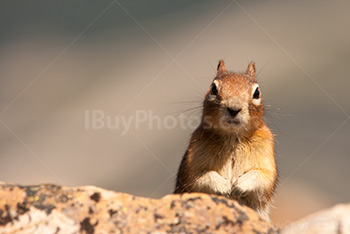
<point x="233" y="111"/>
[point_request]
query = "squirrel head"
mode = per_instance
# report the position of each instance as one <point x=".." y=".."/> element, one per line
<point x="233" y="104"/>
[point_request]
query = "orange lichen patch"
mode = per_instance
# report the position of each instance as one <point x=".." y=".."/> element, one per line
<point x="18" y="195"/>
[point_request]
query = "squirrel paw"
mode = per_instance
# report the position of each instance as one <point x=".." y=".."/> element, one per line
<point x="223" y="188"/>
<point x="245" y="184"/>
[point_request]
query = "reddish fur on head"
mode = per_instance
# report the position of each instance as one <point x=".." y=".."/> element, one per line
<point x="234" y="92"/>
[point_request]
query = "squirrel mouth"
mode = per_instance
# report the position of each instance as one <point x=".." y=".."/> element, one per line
<point x="234" y="121"/>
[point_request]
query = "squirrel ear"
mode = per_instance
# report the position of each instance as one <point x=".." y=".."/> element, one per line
<point x="251" y="69"/>
<point x="221" y="67"/>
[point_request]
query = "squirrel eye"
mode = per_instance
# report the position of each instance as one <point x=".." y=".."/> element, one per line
<point x="213" y="90"/>
<point x="256" y="94"/>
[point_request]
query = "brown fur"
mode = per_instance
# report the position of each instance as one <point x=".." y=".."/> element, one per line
<point x="228" y="158"/>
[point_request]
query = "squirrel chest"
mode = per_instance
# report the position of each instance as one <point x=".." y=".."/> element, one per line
<point x="231" y="158"/>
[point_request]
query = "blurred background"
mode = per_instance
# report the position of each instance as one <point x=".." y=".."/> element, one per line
<point x="61" y="60"/>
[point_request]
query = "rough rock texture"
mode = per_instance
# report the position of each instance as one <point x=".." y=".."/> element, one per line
<point x="332" y="221"/>
<point x="55" y="209"/>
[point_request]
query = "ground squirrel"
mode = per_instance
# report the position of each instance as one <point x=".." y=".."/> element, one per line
<point x="231" y="153"/>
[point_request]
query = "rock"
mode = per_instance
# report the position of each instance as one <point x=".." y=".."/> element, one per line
<point x="332" y="221"/>
<point x="56" y="209"/>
